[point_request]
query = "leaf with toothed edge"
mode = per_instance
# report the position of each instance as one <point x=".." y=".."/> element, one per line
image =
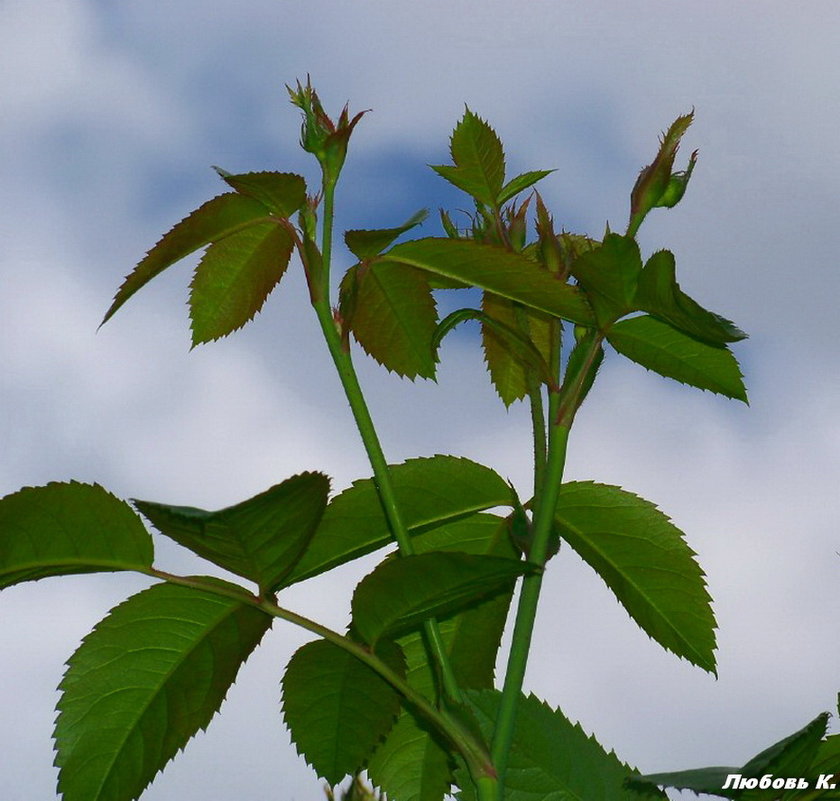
<point x="282" y="192"/>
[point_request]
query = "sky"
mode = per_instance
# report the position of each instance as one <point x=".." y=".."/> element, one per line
<point x="112" y="115"/>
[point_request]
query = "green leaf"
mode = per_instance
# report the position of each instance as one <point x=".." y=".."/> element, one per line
<point x="550" y="759"/>
<point x="479" y="160"/>
<point x="659" y="294"/>
<point x="392" y="316"/>
<point x="368" y="244"/>
<point x="260" y="539"/>
<point x="661" y="348"/>
<point x="496" y="270"/>
<point x="143" y="682"/>
<point x="430" y="492"/>
<point x="212" y="222"/>
<point x="644" y="560"/>
<point x="520" y="183"/>
<point x="283" y="193"/>
<point x="337" y="708"/>
<point x="403" y="592"/>
<point x="66" y="528"/>
<point x="234" y="278"/>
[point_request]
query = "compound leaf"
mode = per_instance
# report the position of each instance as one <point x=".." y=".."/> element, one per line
<point x="66" y="528"/>
<point x="644" y="560"/>
<point x="143" y="682"/>
<point x="337" y="708"/>
<point x="260" y="539"/>
<point x="282" y="192"/>
<point x="367" y="244"/>
<point x="661" y="348"/>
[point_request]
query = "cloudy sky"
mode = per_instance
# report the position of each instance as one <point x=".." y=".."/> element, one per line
<point x="110" y="117"/>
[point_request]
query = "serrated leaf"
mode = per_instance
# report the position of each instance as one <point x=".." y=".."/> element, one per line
<point x="66" y="528"/>
<point x="337" y="708"/>
<point x="260" y="539"/>
<point x="234" y="278"/>
<point x="661" y="348"/>
<point x="430" y="492"/>
<point x="393" y="316"/>
<point x="403" y="592"/>
<point x="496" y="270"/>
<point x="644" y="560"/>
<point x="659" y="294"/>
<point x="283" y="193"/>
<point x="143" y="682"/>
<point x="550" y="758"/>
<point x="479" y="158"/>
<point x="368" y="244"/>
<point x="520" y="183"/>
<point x="211" y="222"/>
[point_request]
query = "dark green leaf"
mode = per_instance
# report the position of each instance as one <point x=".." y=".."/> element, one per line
<point x="496" y="270"/>
<point x="212" y="222"/>
<point x="659" y="294"/>
<point x="282" y="192"/>
<point x="661" y="348"/>
<point x="234" y="278"/>
<point x="368" y="244"/>
<point x="62" y="529"/>
<point x="516" y="185"/>
<point x="143" y="682"/>
<point x="430" y="492"/>
<point x="393" y="316"/>
<point x="337" y="708"/>
<point x="260" y="539"/>
<point x="479" y="160"/>
<point x="645" y="561"/>
<point x="403" y="592"/>
<point x="550" y="759"/>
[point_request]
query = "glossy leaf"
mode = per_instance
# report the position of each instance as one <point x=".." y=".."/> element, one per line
<point x="644" y="560"/>
<point x="661" y="348"/>
<point x="66" y="528"/>
<point x="216" y="219"/>
<point x="430" y="491"/>
<point x="260" y="539"/>
<point x="496" y="270"/>
<point x="520" y="183"/>
<point x="234" y="278"/>
<point x="367" y="244"/>
<point x="143" y="682"/>
<point x="337" y="708"/>
<point x="551" y="758"/>
<point x="284" y="193"/>
<point x="403" y="592"/>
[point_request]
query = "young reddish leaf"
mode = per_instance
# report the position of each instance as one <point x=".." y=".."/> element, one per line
<point x="234" y="278"/>
<point x="283" y="193"/>
<point x="496" y="270"/>
<point x="337" y="708"/>
<point x="479" y="160"/>
<point x="393" y="317"/>
<point x="216" y="219"/>
<point x="404" y="592"/>
<point x="661" y="348"/>
<point x="520" y="183"/>
<point x="62" y="529"/>
<point x="644" y="560"/>
<point x="143" y="682"/>
<point x="368" y="244"/>
<point x="260" y="539"/>
<point x="430" y="491"/>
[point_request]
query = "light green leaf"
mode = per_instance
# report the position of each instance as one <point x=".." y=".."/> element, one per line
<point x="66" y="528"/>
<point x="403" y="592"/>
<point x="496" y="270"/>
<point x="392" y="315"/>
<point x="143" y="682"/>
<point x="644" y="560"/>
<point x="260" y="539"/>
<point x="282" y="192"/>
<point x="661" y="348"/>
<point x="479" y="160"/>
<point x="430" y="492"/>
<point x="212" y="222"/>
<point x="520" y="183"/>
<point x="234" y="278"/>
<point x="550" y="759"/>
<point x="367" y="244"/>
<point x="337" y="708"/>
